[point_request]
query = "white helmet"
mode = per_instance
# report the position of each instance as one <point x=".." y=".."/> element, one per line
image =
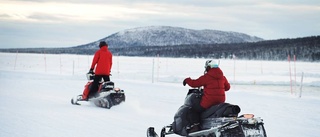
<point x="211" y="64"/>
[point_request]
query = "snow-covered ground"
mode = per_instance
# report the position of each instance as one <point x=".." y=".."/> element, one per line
<point x="36" y="90"/>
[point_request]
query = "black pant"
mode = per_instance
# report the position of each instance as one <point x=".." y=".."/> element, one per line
<point x="95" y="85"/>
<point x="196" y="104"/>
<point x="193" y="100"/>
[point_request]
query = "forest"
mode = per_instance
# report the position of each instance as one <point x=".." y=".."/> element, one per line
<point x="306" y="49"/>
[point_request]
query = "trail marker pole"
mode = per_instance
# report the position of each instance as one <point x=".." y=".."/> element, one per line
<point x="158" y="67"/>
<point x="15" y="61"/>
<point x="45" y="61"/>
<point x="118" y="66"/>
<point x="234" y="69"/>
<point x="78" y="61"/>
<point x="73" y="67"/>
<point x="295" y="74"/>
<point x="88" y="61"/>
<point x="290" y="73"/>
<point x="301" y="85"/>
<point x="152" y="70"/>
<point x="60" y="65"/>
<point x="261" y="67"/>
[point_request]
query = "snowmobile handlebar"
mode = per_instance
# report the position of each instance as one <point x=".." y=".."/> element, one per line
<point x="90" y="76"/>
<point x="195" y="90"/>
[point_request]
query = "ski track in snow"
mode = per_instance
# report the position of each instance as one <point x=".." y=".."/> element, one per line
<point x="36" y="90"/>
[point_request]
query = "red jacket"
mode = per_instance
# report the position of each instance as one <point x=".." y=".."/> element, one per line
<point x="215" y="85"/>
<point x="103" y="59"/>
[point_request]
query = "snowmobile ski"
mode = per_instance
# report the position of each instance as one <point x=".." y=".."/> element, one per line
<point x="76" y="99"/>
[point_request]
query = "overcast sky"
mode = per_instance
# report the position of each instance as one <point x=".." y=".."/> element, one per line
<point x="67" y="23"/>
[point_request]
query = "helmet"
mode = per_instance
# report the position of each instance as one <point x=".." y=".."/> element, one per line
<point x="211" y="64"/>
<point x="102" y="43"/>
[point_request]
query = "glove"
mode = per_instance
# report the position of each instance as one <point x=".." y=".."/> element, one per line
<point x="91" y="71"/>
<point x="184" y="82"/>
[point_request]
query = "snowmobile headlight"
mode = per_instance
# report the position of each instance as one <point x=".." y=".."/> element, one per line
<point x="248" y="116"/>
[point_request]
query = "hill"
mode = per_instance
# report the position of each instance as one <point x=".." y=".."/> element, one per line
<point x="179" y="42"/>
<point x="168" y="36"/>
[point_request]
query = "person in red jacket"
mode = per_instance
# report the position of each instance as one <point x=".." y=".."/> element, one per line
<point x="214" y="86"/>
<point x="102" y="61"/>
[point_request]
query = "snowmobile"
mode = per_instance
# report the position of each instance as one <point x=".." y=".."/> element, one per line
<point x="221" y="120"/>
<point x="106" y="96"/>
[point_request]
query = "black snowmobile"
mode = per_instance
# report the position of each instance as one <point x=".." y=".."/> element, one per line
<point x="106" y="96"/>
<point x="221" y="120"/>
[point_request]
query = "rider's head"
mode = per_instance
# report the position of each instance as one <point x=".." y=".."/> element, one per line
<point x="210" y="64"/>
<point x="102" y="43"/>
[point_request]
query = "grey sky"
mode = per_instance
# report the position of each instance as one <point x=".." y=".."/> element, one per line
<point x="66" y="23"/>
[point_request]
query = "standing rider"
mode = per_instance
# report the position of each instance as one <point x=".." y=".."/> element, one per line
<point x="102" y="61"/>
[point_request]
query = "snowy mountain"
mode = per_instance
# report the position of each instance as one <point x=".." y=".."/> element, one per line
<point x="166" y="35"/>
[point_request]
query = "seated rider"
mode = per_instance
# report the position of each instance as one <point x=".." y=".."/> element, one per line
<point x="214" y="83"/>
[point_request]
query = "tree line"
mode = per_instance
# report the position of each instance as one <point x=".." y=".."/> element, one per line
<point x="305" y="49"/>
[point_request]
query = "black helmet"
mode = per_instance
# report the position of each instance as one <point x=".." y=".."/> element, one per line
<point x="102" y="43"/>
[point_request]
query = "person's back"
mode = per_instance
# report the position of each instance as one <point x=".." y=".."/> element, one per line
<point x="214" y="83"/>
<point x="103" y="60"/>
<point x="214" y="88"/>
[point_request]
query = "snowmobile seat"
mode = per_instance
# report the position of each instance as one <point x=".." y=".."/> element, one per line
<point x="221" y="110"/>
<point x="218" y="115"/>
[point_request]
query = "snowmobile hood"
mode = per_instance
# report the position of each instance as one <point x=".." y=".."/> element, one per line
<point x="215" y="73"/>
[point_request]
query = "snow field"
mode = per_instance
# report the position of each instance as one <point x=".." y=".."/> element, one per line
<point x="36" y="90"/>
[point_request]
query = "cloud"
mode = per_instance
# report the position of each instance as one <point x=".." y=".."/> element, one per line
<point x="74" y="12"/>
<point x="4" y="16"/>
<point x="85" y="21"/>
